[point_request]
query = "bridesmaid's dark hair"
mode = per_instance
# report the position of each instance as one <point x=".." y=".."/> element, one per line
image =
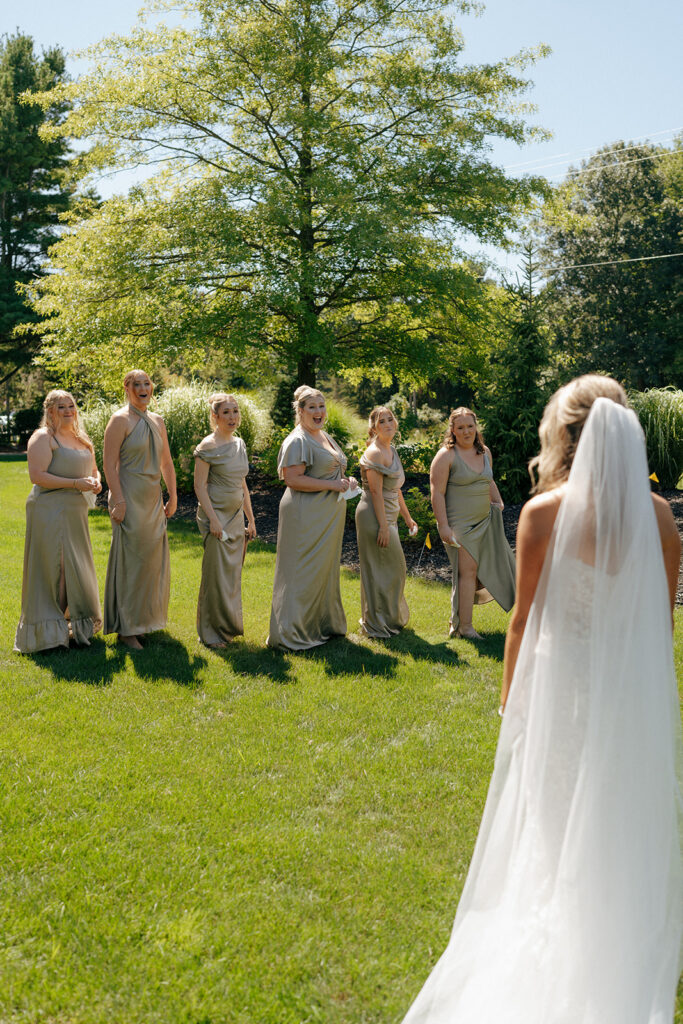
<point x="372" y="421"/>
<point x="47" y="422"/>
<point x="449" y="439"/>
<point x="216" y="401"/>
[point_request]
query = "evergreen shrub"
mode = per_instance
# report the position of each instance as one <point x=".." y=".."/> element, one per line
<point x="660" y="411"/>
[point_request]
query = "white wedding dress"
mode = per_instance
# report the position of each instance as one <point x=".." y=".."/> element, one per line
<point x="572" y="911"/>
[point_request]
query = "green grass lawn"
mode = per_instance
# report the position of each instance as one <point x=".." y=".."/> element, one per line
<point x="201" y="837"/>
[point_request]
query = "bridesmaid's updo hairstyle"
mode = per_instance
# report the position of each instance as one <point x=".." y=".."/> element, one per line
<point x="218" y="399"/>
<point x="561" y="426"/>
<point x="49" y="420"/>
<point x="132" y="374"/>
<point x="301" y="396"/>
<point x="374" y="417"/>
<point x="449" y="439"/>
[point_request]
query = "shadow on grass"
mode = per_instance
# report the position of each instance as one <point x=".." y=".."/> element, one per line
<point x="95" y="665"/>
<point x="341" y="656"/>
<point x="256" y="660"/>
<point x="408" y="642"/>
<point x="491" y="645"/>
<point x="12" y="456"/>
<point x="164" y="657"/>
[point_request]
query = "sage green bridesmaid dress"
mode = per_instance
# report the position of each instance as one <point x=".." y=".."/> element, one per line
<point x="307" y="608"/>
<point x="57" y="534"/>
<point x="219" y="608"/>
<point x="478" y="527"/>
<point x="384" y="611"/>
<point x="138" y="582"/>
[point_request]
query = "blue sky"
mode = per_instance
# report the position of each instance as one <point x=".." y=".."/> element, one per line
<point x="615" y="71"/>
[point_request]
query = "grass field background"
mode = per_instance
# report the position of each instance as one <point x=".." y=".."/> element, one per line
<point x="202" y="837"/>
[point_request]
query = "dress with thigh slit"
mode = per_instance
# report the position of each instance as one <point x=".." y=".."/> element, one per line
<point x="384" y="611"/>
<point x="58" y="541"/>
<point x="219" y="608"/>
<point x="478" y="527"/>
<point x="138" y="583"/>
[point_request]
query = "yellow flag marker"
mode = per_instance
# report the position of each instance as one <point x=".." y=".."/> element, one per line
<point x="653" y="476"/>
<point x="428" y="542"/>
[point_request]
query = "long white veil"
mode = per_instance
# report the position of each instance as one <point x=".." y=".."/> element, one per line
<point x="572" y="911"/>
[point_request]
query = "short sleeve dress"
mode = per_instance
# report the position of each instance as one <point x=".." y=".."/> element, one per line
<point x="384" y="611"/>
<point x="307" y="608"/>
<point x="219" y="608"/>
<point x="138" y="583"/>
<point x="478" y="527"/>
<point x="57" y="533"/>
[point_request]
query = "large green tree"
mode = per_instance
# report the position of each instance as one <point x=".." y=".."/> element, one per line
<point x="33" y="185"/>
<point x="623" y="318"/>
<point x="319" y="162"/>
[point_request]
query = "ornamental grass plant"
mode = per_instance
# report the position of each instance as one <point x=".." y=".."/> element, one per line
<point x="660" y="411"/>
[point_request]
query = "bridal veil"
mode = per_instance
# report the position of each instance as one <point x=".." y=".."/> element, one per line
<point x="572" y="911"/>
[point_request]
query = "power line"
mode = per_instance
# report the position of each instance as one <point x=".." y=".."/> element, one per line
<point x="590" y="149"/>
<point x="617" y="163"/>
<point x="612" y="263"/>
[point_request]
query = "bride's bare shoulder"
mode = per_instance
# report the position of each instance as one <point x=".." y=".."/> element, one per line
<point x="539" y="513"/>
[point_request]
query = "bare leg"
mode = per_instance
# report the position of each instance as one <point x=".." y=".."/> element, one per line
<point x="467" y="585"/>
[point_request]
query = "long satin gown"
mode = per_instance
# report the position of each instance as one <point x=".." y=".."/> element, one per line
<point x="219" y="608"/>
<point x="478" y="527"/>
<point x="138" y="583"/>
<point x="57" y="532"/>
<point x="307" y="608"/>
<point x="384" y="611"/>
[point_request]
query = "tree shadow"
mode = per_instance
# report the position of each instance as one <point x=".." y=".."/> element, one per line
<point x="95" y="665"/>
<point x="410" y="643"/>
<point x="256" y="660"/>
<point x="164" y="657"/>
<point x="341" y="656"/>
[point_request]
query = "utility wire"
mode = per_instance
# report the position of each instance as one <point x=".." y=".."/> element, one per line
<point x="611" y="263"/>
<point x="576" y="153"/>
<point x="618" y="163"/>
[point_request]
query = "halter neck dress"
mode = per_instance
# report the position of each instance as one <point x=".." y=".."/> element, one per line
<point x="307" y="608"/>
<point x="137" y="587"/>
<point x="384" y="611"/>
<point x="219" y="608"/>
<point x="57" y="533"/>
<point x="478" y="527"/>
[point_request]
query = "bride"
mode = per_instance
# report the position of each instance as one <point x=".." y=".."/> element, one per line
<point x="572" y="911"/>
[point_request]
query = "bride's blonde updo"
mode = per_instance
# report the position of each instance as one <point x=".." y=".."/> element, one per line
<point x="374" y="417"/>
<point x="49" y="420"/>
<point x="301" y="396"/>
<point x="216" y="401"/>
<point x="561" y="426"/>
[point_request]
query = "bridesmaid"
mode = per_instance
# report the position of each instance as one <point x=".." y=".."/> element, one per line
<point x="59" y="595"/>
<point x="468" y="510"/>
<point x="220" y="468"/>
<point x="382" y="564"/>
<point x="307" y="608"/>
<point x="136" y="456"/>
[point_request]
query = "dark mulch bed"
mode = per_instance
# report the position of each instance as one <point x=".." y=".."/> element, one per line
<point x="430" y="565"/>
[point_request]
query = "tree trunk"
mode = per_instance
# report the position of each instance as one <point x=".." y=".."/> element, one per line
<point x="305" y="371"/>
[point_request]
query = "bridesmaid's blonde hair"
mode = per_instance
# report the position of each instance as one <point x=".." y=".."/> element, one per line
<point x="561" y="426"/>
<point x="52" y="398"/>
<point x="449" y="439"/>
<point x="132" y="374"/>
<point x="216" y="401"/>
<point x="301" y="396"/>
<point x="374" y="417"/>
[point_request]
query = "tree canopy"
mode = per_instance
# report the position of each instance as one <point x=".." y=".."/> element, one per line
<point x="623" y="318"/>
<point x="315" y="165"/>
<point x="33" y="184"/>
